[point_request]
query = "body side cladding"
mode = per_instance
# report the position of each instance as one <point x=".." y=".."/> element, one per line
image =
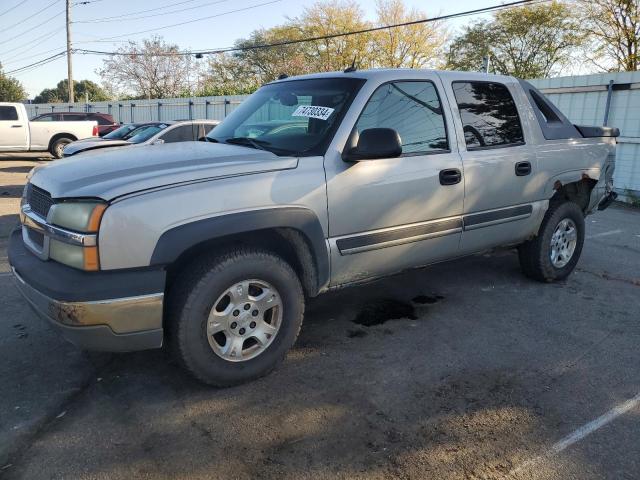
<point x="176" y="241"/>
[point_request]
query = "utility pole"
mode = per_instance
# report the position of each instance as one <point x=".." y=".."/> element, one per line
<point x="69" y="64"/>
<point x="486" y="63"/>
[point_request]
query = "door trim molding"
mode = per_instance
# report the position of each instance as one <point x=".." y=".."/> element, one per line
<point x="398" y="235"/>
<point x="493" y="217"/>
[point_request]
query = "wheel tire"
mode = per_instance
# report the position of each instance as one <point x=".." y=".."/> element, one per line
<point x="58" y="146"/>
<point x="197" y="290"/>
<point x="535" y="254"/>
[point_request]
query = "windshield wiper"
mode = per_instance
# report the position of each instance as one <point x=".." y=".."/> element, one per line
<point x="248" y="142"/>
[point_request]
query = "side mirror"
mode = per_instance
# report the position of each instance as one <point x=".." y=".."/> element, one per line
<point x="371" y="144"/>
<point x="159" y="141"/>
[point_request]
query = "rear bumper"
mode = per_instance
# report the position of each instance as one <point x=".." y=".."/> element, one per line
<point x="108" y="311"/>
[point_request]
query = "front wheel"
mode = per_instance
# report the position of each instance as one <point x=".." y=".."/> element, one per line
<point x="555" y="251"/>
<point x="234" y="316"/>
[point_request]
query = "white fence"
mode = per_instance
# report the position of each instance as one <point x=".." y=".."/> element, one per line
<point x="605" y="99"/>
<point x="215" y="108"/>
<point x="612" y="99"/>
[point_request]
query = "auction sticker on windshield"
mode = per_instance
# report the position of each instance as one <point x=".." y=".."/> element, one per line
<point x="312" y="111"/>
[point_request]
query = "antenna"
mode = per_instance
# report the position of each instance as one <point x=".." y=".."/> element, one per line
<point x="352" y="68"/>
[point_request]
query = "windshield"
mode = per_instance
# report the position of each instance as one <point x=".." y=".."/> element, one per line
<point x="146" y="132"/>
<point x="296" y="117"/>
<point x="122" y="133"/>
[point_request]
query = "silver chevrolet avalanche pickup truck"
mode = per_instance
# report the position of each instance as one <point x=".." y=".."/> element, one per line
<point x="314" y="183"/>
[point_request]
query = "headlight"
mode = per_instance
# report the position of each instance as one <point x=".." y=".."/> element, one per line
<point x="79" y="216"/>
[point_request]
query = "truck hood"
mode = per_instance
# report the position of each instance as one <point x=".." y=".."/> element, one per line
<point x="111" y="173"/>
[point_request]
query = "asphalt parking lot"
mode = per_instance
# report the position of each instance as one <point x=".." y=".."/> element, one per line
<point x="492" y="376"/>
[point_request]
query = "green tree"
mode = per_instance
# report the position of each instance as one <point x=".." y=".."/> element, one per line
<point x="527" y="42"/>
<point x="413" y="46"/>
<point x="61" y="92"/>
<point x="613" y="27"/>
<point x="11" y="89"/>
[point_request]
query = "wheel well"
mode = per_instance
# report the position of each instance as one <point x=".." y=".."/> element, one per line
<point x="58" y="136"/>
<point x="578" y="192"/>
<point x="288" y="243"/>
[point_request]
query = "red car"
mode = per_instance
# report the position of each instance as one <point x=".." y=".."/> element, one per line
<point x="106" y="123"/>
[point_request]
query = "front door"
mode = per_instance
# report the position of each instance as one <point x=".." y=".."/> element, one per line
<point x="386" y="215"/>
<point x="13" y="131"/>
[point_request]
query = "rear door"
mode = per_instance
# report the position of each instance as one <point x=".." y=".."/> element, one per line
<point x="499" y="163"/>
<point x="13" y="130"/>
<point x="390" y="214"/>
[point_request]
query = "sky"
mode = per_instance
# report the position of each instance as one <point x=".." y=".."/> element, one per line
<point x="27" y="36"/>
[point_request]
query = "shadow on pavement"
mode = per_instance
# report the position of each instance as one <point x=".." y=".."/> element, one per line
<point x="11" y="191"/>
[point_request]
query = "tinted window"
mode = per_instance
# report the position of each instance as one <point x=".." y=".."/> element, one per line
<point x="185" y="133"/>
<point x="8" y="113"/>
<point x="489" y="114"/>
<point x="207" y="128"/>
<point x="74" y="117"/>
<point x="412" y="109"/>
<point x="44" y="118"/>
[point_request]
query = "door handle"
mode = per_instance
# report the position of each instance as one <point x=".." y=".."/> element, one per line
<point x="523" y="168"/>
<point x="450" y="176"/>
<point x="16" y="126"/>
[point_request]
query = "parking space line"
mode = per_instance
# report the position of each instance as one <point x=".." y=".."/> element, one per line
<point x="580" y="433"/>
<point x="604" y="234"/>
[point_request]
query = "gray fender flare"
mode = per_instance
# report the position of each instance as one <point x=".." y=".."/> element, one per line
<point x="178" y="240"/>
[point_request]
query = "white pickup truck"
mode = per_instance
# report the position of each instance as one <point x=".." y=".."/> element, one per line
<point x="18" y="134"/>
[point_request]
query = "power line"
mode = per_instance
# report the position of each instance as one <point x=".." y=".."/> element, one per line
<point x="101" y="19"/>
<point x="27" y="46"/>
<point x="13" y="8"/>
<point x="31" y="29"/>
<point x="127" y="17"/>
<point x="31" y="16"/>
<point x="192" y="21"/>
<point x="9" y="62"/>
<point x="326" y="37"/>
<point x="39" y="62"/>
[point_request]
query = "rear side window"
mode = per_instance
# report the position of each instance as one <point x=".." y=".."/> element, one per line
<point x="184" y="133"/>
<point x="44" y="118"/>
<point x="8" y="113"/>
<point x="74" y="117"/>
<point x="489" y="115"/>
<point x="413" y="110"/>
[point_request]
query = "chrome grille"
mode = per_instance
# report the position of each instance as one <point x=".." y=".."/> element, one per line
<point x="39" y="200"/>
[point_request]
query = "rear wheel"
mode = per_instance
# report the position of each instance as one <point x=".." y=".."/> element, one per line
<point x="555" y="251"/>
<point x="58" y="146"/>
<point x="233" y="317"/>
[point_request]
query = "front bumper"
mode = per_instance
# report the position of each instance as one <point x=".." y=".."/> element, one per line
<point x="108" y="311"/>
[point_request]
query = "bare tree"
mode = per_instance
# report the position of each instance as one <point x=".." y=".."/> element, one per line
<point x="151" y="69"/>
<point x="614" y="27"/>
